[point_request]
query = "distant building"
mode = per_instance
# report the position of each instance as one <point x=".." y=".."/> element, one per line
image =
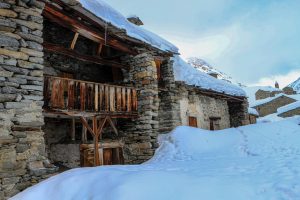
<point x="270" y="105"/>
<point x="289" y="110"/>
<point x="276" y="85"/>
<point x="263" y="94"/>
<point x="288" y="90"/>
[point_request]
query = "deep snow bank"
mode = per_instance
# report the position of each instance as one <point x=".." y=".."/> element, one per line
<point x="252" y="162"/>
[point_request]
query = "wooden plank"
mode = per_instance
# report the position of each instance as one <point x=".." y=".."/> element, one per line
<point x="61" y="103"/>
<point x="124" y="99"/>
<point x="96" y="97"/>
<point x="71" y="95"/>
<point x="86" y="58"/>
<point x="54" y="93"/>
<point x="112" y="99"/>
<point x="82" y="96"/>
<point x="104" y="144"/>
<point x="74" y="41"/>
<point x="134" y="100"/>
<point x="101" y="97"/>
<point x="119" y="99"/>
<point x="129" y="104"/>
<point x="107" y="98"/>
<point x="84" y="134"/>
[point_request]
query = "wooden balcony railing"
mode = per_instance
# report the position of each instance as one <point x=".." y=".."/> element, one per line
<point x="84" y="96"/>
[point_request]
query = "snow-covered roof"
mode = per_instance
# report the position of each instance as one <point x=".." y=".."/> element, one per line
<point x="253" y="111"/>
<point x="104" y="11"/>
<point x="250" y="91"/>
<point x="267" y="100"/>
<point x="288" y="107"/>
<point x="191" y="76"/>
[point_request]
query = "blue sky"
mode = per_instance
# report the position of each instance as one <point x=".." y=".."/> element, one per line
<point x="254" y="41"/>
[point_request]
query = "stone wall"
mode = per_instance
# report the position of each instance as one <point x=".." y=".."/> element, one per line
<point x="140" y="134"/>
<point x="290" y="113"/>
<point x="22" y="148"/>
<point x="272" y="106"/>
<point x="238" y="112"/>
<point x="169" y="107"/>
<point x="261" y="94"/>
<point x="204" y="108"/>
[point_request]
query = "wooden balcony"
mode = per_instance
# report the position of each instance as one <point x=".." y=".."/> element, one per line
<point x="83" y="97"/>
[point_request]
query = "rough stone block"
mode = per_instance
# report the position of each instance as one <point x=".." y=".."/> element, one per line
<point x="14" y="54"/>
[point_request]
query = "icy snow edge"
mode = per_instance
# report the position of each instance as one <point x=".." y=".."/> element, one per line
<point x="288" y="107"/>
<point x="191" y="76"/>
<point x="104" y="11"/>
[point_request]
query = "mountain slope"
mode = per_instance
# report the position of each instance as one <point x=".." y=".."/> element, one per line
<point x="295" y="85"/>
<point x="205" y="67"/>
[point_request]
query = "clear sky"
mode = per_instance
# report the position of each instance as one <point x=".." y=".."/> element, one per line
<point x="254" y="41"/>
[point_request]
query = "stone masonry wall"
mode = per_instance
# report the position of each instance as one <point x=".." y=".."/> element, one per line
<point x="22" y="147"/>
<point x="290" y="113"/>
<point x="140" y="134"/>
<point x="169" y="107"/>
<point x="271" y="107"/>
<point x="238" y="113"/>
<point x="203" y="108"/>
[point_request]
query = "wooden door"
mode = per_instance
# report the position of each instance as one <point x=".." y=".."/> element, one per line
<point x="107" y="157"/>
<point x="193" y="122"/>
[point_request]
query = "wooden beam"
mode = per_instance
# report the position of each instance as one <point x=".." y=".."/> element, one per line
<point x="86" y="58"/>
<point x="112" y="125"/>
<point x="85" y="123"/>
<point x="96" y="143"/>
<point x="99" y="50"/>
<point x="74" y="41"/>
<point x="61" y="18"/>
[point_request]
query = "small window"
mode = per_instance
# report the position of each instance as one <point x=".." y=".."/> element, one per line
<point x="193" y="122"/>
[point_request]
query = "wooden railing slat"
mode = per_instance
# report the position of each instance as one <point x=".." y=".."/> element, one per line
<point x="71" y="94"/>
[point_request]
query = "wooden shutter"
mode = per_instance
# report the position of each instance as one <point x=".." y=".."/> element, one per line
<point x="193" y="122"/>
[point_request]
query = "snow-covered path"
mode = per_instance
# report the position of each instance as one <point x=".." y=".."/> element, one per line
<point x="253" y="162"/>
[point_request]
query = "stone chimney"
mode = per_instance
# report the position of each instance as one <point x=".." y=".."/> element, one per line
<point x="276" y="85"/>
<point x="135" y="20"/>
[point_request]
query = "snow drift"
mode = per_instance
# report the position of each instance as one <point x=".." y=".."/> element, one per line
<point x="253" y="162"/>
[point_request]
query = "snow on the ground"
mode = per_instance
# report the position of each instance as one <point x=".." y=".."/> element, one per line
<point x="191" y="76"/>
<point x="253" y="111"/>
<point x="288" y="107"/>
<point x="270" y="118"/>
<point x="250" y="91"/>
<point x="104" y="11"/>
<point x="258" y="162"/>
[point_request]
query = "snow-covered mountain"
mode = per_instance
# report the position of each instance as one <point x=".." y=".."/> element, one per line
<point x="296" y="85"/>
<point x="205" y="67"/>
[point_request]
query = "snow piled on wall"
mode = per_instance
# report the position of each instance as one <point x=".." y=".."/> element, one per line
<point x="288" y="107"/>
<point x="191" y="76"/>
<point x="258" y="161"/>
<point x="104" y="11"/>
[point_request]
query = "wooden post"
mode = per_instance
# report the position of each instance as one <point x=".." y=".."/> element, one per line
<point x="73" y="129"/>
<point x="74" y="41"/>
<point x="83" y="135"/>
<point x="96" y="142"/>
<point x="99" y="50"/>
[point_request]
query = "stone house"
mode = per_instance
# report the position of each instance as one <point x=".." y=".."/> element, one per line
<point x="263" y="94"/>
<point x="289" y="110"/>
<point x="77" y="90"/>
<point x="270" y="105"/>
<point x="288" y="90"/>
